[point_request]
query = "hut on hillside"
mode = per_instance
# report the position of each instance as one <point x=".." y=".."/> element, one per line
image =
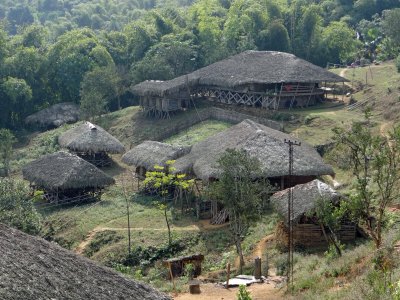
<point x="307" y="230"/>
<point x="259" y="141"/>
<point x="267" y="79"/>
<point x="92" y="143"/>
<point x="32" y="268"/>
<point x="55" y="115"/>
<point x="150" y="153"/>
<point x="264" y="143"/>
<point x="66" y="178"/>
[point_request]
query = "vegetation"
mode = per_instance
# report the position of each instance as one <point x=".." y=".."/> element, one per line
<point x="75" y="51"/>
<point x="16" y="206"/>
<point x="164" y="181"/>
<point x="6" y="148"/>
<point x="241" y="192"/>
<point x="374" y="161"/>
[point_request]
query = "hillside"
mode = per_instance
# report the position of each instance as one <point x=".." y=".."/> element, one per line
<point x="99" y="230"/>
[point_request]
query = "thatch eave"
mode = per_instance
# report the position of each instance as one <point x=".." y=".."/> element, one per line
<point x="63" y="170"/>
<point x="151" y="153"/>
<point x="264" y="143"/>
<point x="32" y="268"/>
<point x="249" y="67"/>
<point x="305" y="197"/>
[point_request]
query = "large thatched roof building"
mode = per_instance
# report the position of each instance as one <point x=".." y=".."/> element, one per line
<point x="91" y="142"/>
<point x="66" y="177"/>
<point x="261" y="142"/>
<point x="32" y="268"/>
<point x="266" y="79"/>
<point x="150" y="153"/>
<point x="55" y="115"/>
<point x="307" y="229"/>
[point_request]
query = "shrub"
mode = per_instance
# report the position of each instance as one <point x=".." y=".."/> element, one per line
<point x="243" y="294"/>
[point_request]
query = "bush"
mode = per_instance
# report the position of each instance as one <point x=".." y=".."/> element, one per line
<point x="16" y="207"/>
<point x="243" y="294"/>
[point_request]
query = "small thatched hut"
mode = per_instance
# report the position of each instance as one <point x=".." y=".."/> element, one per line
<point x="307" y="230"/>
<point x="32" y="268"/>
<point x="92" y="143"/>
<point x="66" y="177"/>
<point x="55" y="115"/>
<point x="150" y="153"/>
<point x="261" y="142"/>
<point x="267" y="79"/>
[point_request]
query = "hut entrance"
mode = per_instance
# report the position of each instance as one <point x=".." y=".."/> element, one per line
<point x="99" y="159"/>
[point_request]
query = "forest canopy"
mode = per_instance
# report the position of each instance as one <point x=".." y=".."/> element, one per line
<point x="52" y="50"/>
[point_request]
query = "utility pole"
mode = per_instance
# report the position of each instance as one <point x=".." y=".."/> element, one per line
<point x="290" y="216"/>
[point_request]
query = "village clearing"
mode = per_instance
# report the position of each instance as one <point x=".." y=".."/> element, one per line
<point x="99" y="230"/>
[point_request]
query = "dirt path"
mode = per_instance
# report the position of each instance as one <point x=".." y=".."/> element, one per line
<point x="210" y="291"/>
<point x="343" y="73"/>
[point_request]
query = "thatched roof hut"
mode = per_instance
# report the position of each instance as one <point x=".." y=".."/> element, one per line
<point x="259" y="141"/>
<point x="307" y="230"/>
<point x="32" y="268"/>
<point x="246" y="68"/>
<point x="304" y="198"/>
<point x="63" y="170"/>
<point x="90" y="138"/>
<point x="151" y="153"/>
<point x="55" y="115"/>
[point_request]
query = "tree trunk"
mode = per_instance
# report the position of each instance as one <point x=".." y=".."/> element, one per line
<point x="169" y="228"/>
<point x="240" y="253"/>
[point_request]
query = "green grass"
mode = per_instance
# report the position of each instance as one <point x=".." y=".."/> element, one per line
<point x="315" y="126"/>
<point x="197" y="133"/>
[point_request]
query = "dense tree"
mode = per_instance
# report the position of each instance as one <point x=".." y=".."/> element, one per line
<point x="275" y="38"/>
<point x="391" y="24"/>
<point x="340" y="42"/>
<point x="240" y="193"/>
<point x="74" y="53"/>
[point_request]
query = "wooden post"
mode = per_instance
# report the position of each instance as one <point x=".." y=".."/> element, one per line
<point x="228" y="274"/>
<point x="257" y="268"/>
<point x="172" y="277"/>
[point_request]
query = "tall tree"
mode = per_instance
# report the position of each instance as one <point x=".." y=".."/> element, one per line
<point x="375" y="162"/>
<point x="241" y="193"/>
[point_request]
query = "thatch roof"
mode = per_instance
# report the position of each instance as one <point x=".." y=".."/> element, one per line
<point x="88" y="137"/>
<point x="32" y="268"/>
<point x="249" y="67"/>
<point x="151" y="153"/>
<point x="259" y="141"/>
<point x="55" y="115"/>
<point x="304" y="198"/>
<point x="63" y="170"/>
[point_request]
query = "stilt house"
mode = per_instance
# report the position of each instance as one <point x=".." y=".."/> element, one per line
<point x="92" y="143"/>
<point x="66" y="178"/>
<point x="150" y="153"/>
<point x="307" y="229"/>
<point x="33" y="268"/>
<point x="265" y="79"/>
